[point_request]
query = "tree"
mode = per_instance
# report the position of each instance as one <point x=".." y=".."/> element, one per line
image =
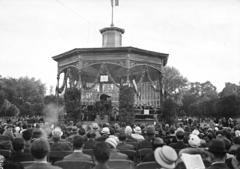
<point x="169" y="110"/>
<point x="8" y="109"/>
<point x="229" y="106"/>
<point x="24" y="91"/>
<point x="173" y="84"/>
<point x="199" y="99"/>
<point x="126" y="102"/>
<point x="72" y="98"/>
<point x="230" y="89"/>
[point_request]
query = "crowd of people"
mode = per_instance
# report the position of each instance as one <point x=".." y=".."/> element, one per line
<point x="217" y="143"/>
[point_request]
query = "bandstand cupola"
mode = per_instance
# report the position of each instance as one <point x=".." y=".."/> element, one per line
<point x="111" y="37"/>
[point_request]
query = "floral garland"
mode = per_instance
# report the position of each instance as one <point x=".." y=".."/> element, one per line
<point x="94" y="83"/>
<point x="111" y="78"/>
<point x="152" y="82"/>
<point x="60" y="90"/>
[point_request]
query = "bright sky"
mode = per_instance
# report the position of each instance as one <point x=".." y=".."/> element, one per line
<point x="201" y="36"/>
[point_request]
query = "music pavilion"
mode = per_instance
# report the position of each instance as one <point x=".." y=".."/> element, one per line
<point x="102" y="70"/>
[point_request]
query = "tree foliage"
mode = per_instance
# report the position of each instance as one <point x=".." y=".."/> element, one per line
<point x="25" y="93"/>
<point x="199" y="99"/>
<point x="169" y="110"/>
<point x="126" y="103"/>
<point x="230" y="89"/>
<point x="229" y="106"/>
<point x="72" y="99"/>
<point x="174" y="84"/>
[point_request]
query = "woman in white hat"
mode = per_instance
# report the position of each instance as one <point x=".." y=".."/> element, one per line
<point x="166" y="157"/>
<point x="137" y="134"/>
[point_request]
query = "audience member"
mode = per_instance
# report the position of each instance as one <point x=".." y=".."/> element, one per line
<point x="166" y="157"/>
<point x="27" y="136"/>
<point x="114" y="154"/>
<point x="217" y="148"/>
<point x="59" y="144"/>
<point x="150" y="134"/>
<point x="122" y="143"/>
<point x="157" y="142"/>
<point x="18" y="154"/>
<point x="78" y="154"/>
<point x="101" y="155"/>
<point x="39" y="150"/>
<point x="137" y="134"/>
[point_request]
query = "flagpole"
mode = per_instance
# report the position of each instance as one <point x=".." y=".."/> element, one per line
<point x="112" y="12"/>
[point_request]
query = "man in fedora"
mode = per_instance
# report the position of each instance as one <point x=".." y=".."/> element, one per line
<point x="217" y="148"/>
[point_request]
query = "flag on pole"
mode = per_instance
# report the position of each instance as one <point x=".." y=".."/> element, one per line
<point x="116" y="3"/>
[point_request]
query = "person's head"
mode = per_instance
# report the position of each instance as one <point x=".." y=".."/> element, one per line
<point x="179" y="135"/>
<point x="81" y="131"/>
<point x="18" y="144"/>
<point x="122" y="136"/>
<point x="166" y="157"/>
<point x="128" y="130"/>
<point x="78" y="142"/>
<point x="150" y="131"/>
<point x="57" y="134"/>
<point x="37" y="133"/>
<point x="101" y="152"/>
<point x="27" y="134"/>
<point x="112" y="131"/>
<point x="105" y="131"/>
<point x="40" y="148"/>
<point x="91" y="134"/>
<point x="157" y="142"/>
<point x="194" y="141"/>
<point x="112" y="143"/>
<point x="138" y="130"/>
<point x="217" y="148"/>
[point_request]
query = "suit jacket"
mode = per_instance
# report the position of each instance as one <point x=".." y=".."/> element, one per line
<point x="78" y="156"/>
<point x="61" y="146"/>
<point x="101" y="166"/>
<point x="42" y="166"/>
<point x="149" y="157"/>
<point x="218" y="166"/>
<point x="178" y="145"/>
<point x="125" y="146"/>
<point x="5" y="142"/>
<point x="145" y="144"/>
<point x="90" y="144"/>
<point x="114" y="154"/>
<point x="20" y="156"/>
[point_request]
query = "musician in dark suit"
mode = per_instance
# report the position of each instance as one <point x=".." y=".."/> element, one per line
<point x="77" y="154"/>
<point x="39" y="150"/>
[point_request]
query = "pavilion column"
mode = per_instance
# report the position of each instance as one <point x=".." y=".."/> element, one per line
<point x="128" y="70"/>
<point x="161" y="89"/>
<point x="79" y="80"/>
<point x="57" y="87"/>
<point x="57" y="91"/>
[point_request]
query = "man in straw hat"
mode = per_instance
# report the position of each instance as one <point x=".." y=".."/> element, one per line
<point x="166" y="157"/>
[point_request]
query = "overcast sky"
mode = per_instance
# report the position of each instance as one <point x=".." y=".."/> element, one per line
<point x="202" y="37"/>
